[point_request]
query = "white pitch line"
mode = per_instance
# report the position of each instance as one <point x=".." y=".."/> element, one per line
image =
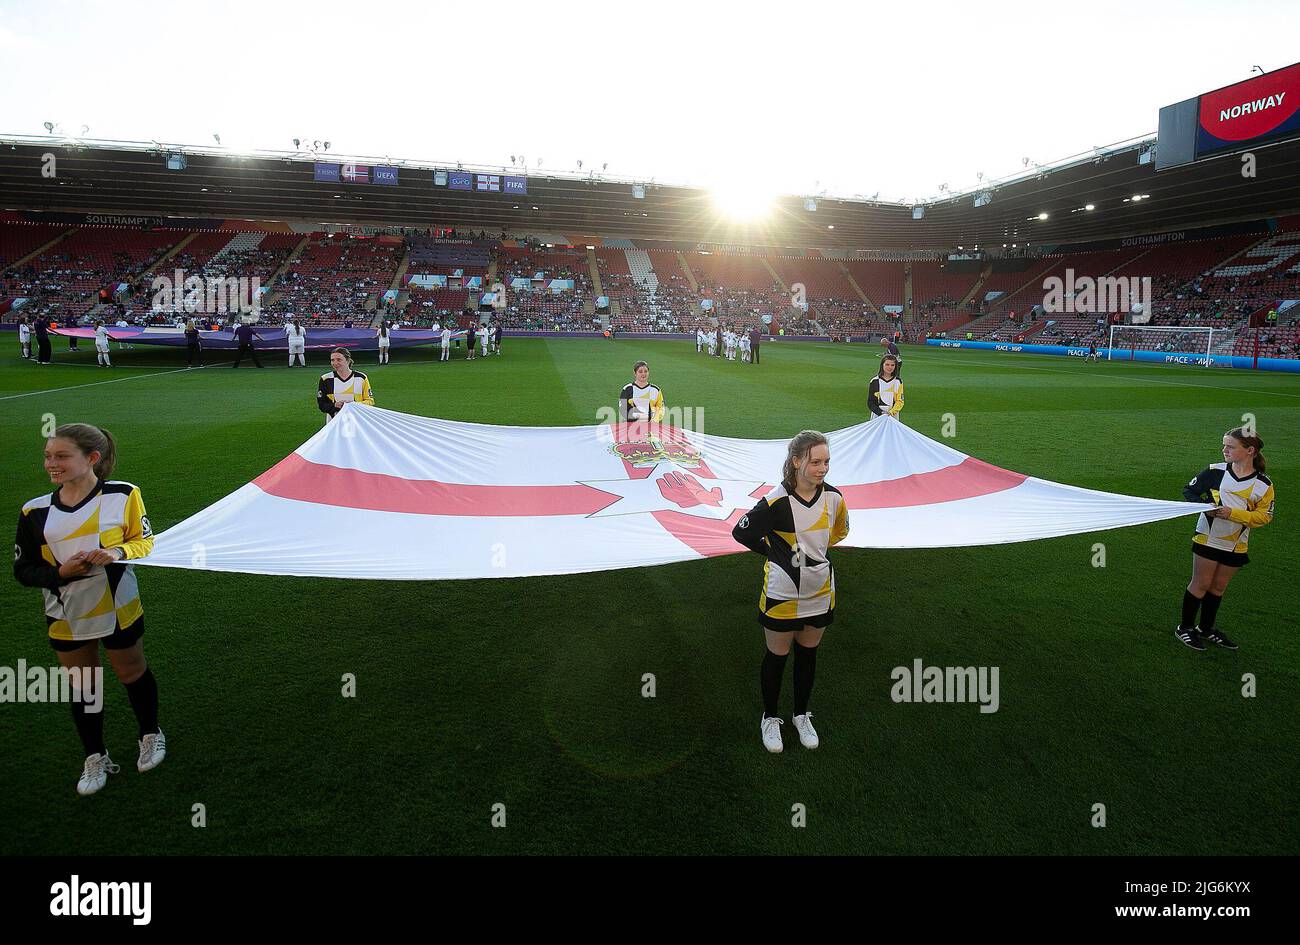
<point x="1149" y="380"/>
<point x="133" y="377"/>
<point x="1034" y="367"/>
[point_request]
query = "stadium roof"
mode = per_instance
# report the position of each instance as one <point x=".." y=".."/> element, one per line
<point x="132" y="179"/>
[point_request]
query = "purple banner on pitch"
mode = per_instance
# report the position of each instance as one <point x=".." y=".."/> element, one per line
<point x="328" y="173"/>
<point x="516" y="185"/>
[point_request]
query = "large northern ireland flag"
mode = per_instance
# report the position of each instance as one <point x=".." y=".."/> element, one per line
<point x="381" y="494"/>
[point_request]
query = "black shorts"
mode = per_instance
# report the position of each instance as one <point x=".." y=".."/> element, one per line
<point x="1233" y="559"/>
<point x="821" y="621"/>
<point x="120" y="639"/>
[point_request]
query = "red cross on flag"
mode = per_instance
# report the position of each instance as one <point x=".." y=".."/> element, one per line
<point x="386" y="495"/>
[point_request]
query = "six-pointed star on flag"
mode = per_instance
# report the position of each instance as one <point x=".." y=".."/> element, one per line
<point x="668" y="489"/>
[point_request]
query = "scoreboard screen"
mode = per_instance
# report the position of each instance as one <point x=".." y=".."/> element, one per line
<point x="1258" y="111"/>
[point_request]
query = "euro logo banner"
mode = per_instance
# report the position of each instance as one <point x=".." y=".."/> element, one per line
<point x="569" y="500"/>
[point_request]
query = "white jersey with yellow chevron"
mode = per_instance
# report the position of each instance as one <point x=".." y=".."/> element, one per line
<point x="1249" y="501"/>
<point x="647" y="402"/>
<point x="49" y="533"/>
<point x="885" y="396"/>
<point x="798" y="580"/>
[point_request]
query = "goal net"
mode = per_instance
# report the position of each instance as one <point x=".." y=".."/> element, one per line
<point x="1209" y="347"/>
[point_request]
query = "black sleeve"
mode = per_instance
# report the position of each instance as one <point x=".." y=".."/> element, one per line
<point x="873" y="397"/>
<point x="1198" y="490"/>
<point x="325" y="398"/>
<point x="753" y="527"/>
<point x="29" y="568"/>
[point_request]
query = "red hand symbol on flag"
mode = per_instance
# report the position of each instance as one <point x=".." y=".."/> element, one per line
<point x="687" y="491"/>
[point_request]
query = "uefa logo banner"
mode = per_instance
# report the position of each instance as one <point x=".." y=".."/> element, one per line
<point x="385" y="175"/>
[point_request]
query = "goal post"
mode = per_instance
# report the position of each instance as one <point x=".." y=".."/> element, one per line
<point x="1197" y="344"/>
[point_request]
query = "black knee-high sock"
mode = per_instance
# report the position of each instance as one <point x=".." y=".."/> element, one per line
<point x="805" y="668"/>
<point x="90" y="726"/>
<point x="773" y="670"/>
<point x="1209" y="609"/>
<point x="143" y="694"/>
<point x="1190" y="605"/>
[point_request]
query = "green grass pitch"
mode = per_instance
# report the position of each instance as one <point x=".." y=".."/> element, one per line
<point x="527" y="692"/>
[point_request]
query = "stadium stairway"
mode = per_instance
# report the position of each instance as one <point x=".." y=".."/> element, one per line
<point x="979" y="284"/>
<point x="858" y="289"/>
<point x="772" y="272"/>
<point x="594" y="270"/>
<point x="43" y="248"/>
<point x="170" y="253"/>
<point x="690" y="276"/>
<point x="907" y="289"/>
<point x="289" y="260"/>
<point x="400" y="274"/>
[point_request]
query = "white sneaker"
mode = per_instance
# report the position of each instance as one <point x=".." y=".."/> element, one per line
<point x="807" y="734"/>
<point x="771" y="729"/>
<point x="153" y="749"/>
<point x="95" y="774"/>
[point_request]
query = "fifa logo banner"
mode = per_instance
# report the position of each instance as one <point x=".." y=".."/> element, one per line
<point x="516" y="185"/>
<point x="569" y="500"/>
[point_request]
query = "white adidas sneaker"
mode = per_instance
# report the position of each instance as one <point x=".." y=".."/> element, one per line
<point x="771" y="729"/>
<point x="95" y="774"/>
<point x="807" y="734"/>
<point x="153" y="749"/>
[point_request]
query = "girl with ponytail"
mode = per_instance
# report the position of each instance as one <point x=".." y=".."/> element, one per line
<point x="74" y="543"/>
<point x="1243" y="499"/>
<point x="794" y="527"/>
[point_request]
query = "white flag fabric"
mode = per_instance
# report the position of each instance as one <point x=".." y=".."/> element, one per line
<point x="386" y="495"/>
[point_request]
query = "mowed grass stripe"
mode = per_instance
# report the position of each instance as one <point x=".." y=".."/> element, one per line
<point x="528" y="692"/>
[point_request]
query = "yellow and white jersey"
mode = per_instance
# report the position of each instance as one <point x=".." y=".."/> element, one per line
<point x="334" y="392"/>
<point x="1249" y="500"/>
<point x="796" y="536"/>
<point x="885" y="396"/>
<point x="49" y="533"/>
<point x="641" y="403"/>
